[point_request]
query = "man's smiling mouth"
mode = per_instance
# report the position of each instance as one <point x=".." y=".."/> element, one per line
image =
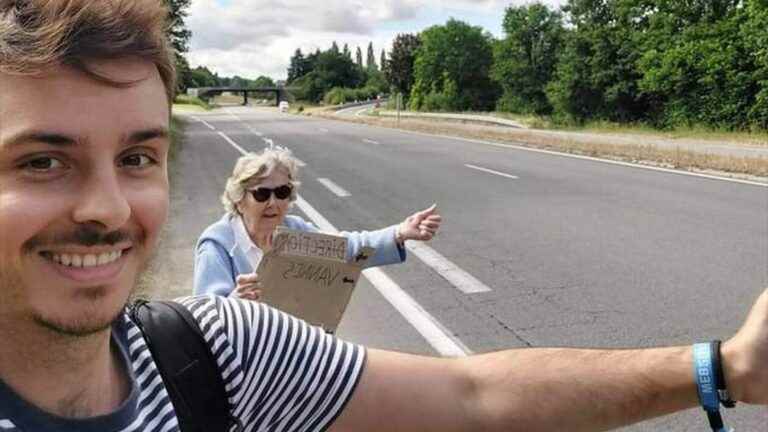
<point x="84" y="260"/>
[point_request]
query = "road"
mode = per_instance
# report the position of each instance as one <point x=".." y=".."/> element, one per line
<point x="555" y="250"/>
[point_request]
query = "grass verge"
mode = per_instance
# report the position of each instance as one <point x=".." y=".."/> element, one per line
<point x="190" y="103"/>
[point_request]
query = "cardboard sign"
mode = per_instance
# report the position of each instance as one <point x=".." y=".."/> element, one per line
<point x="307" y="275"/>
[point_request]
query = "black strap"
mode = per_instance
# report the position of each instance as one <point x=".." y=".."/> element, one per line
<point x="186" y="364"/>
<point x="717" y="364"/>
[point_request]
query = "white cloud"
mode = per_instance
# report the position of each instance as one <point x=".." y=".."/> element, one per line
<point x="257" y="37"/>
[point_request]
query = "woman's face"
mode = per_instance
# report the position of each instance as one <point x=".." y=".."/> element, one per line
<point x="261" y="218"/>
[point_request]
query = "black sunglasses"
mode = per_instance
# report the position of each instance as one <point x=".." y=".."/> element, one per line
<point x="262" y="194"/>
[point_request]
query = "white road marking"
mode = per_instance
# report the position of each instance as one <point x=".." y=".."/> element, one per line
<point x="299" y="162"/>
<point x="462" y="280"/>
<point x="226" y="110"/>
<point x="491" y="171"/>
<point x="357" y="114"/>
<point x="333" y="187"/>
<point x="370" y="141"/>
<point x="253" y="131"/>
<point x="204" y="122"/>
<point x="233" y="144"/>
<point x="323" y="130"/>
<point x="269" y="142"/>
<point x="589" y="158"/>
<point x="427" y="326"/>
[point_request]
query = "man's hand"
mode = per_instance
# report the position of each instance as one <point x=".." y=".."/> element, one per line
<point x="248" y="287"/>
<point x="421" y="225"/>
<point x="745" y="356"/>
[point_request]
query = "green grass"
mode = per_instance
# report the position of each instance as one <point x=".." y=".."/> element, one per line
<point x="177" y="140"/>
<point x="186" y="102"/>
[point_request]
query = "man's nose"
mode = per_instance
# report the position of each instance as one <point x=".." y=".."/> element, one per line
<point x="102" y="201"/>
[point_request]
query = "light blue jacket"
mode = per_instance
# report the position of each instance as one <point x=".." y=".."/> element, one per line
<point x="219" y="260"/>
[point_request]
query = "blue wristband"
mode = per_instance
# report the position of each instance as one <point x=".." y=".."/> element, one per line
<point x="706" y="383"/>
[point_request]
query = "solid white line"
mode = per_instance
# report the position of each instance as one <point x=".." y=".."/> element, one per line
<point x="226" y="110"/>
<point x="323" y="130"/>
<point x="205" y="123"/>
<point x="232" y="143"/>
<point x="491" y="171"/>
<point x="255" y="132"/>
<point x="462" y="280"/>
<point x="427" y="326"/>
<point x="357" y="114"/>
<point x="569" y="155"/>
<point x="299" y="162"/>
<point x="333" y="187"/>
<point x="370" y="141"/>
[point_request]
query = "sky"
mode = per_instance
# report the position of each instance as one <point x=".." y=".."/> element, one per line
<point x="250" y="38"/>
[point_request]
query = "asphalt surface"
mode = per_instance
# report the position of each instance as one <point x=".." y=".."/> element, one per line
<point x="576" y="252"/>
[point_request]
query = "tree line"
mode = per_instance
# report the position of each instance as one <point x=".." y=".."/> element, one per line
<point x="334" y="76"/>
<point x="666" y="63"/>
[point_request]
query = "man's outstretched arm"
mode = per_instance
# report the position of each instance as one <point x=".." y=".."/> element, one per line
<point x="549" y="389"/>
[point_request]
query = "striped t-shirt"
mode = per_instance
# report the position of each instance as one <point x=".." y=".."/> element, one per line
<point x="280" y="374"/>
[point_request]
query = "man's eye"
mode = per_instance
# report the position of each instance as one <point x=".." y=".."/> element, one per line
<point x="137" y="161"/>
<point x="43" y="164"/>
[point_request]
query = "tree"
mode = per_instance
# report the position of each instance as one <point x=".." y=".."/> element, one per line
<point x="346" y="51"/>
<point x="297" y="67"/>
<point x="456" y="54"/>
<point x="370" y="62"/>
<point x="597" y="74"/>
<point x="398" y="70"/>
<point x="179" y="36"/>
<point x="334" y="47"/>
<point x="756" y="42"/>
<point x="359" y="58"/>
<point x="524" y="61"/>
<point x="382" y="60"/>
<point x="699" y="64"/>
<point x="330" y="69"/>
<point x="262" y="81"/>
<point x="202" y="77"/>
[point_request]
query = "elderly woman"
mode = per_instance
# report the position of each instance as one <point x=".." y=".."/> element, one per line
<point x="256" y="199"/>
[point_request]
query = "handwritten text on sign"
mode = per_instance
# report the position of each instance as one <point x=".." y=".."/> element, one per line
<point x="322" y="274"/>
<point x="313" y="245"/>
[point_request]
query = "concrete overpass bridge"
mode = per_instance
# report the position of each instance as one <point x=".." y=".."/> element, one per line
<point x="281" y="93"/>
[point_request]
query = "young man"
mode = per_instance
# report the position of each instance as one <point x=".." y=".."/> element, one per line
<point x="84" y="109"/>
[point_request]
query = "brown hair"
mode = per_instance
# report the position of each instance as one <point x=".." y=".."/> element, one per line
<point x="39" y="34"/>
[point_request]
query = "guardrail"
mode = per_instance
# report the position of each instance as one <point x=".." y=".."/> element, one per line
<point x="448" y="116"/>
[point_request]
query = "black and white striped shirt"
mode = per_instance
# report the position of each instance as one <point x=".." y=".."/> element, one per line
<point x="280" y="374"/>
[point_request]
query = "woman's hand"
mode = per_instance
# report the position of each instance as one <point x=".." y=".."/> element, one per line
<point x="248" y="287"/>
<point x="421" y="225"/>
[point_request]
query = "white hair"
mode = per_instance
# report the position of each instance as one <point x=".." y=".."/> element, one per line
<point x="255" y="166"/>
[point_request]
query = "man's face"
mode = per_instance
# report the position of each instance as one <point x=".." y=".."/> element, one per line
<point x="83" y="192"/>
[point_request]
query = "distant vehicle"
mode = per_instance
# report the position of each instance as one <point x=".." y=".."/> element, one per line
<point x="283" y="106"/>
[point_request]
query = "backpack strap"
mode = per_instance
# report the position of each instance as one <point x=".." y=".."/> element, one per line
<point x="185" y="362"/>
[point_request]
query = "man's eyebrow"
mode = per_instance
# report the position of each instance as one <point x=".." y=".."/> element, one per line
<point x="148" y="134"/>
<point x="50" y="138"/>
